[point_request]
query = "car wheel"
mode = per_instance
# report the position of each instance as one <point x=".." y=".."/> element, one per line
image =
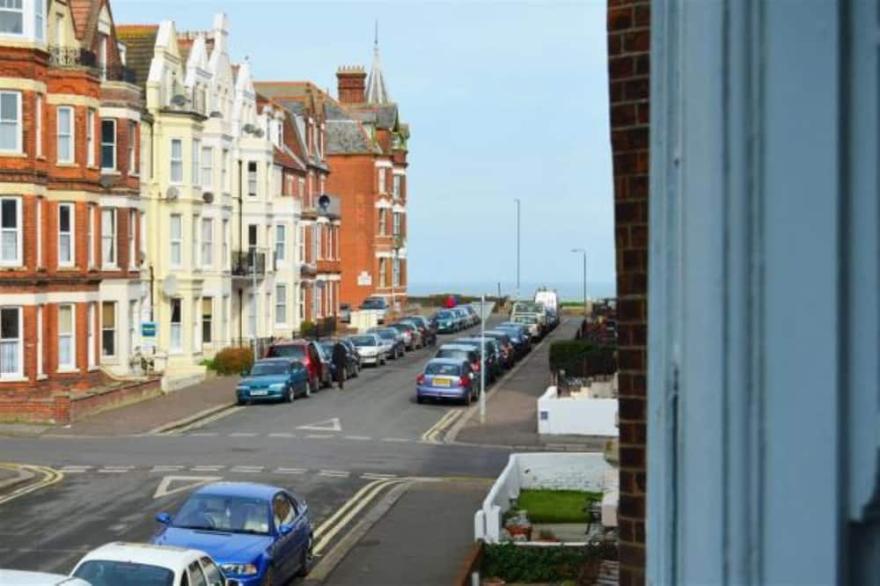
<point x="308" y="389"/>
<point x="240" y="402"/>
<point x="306" y="561"/>
<point x="289" y="397"/>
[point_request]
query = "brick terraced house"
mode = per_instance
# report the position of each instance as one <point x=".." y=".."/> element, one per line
<point x="70" y="213"/>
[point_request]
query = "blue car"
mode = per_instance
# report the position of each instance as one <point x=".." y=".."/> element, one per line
<point x="446" y="320"/>
<point x="446" y="378"/>
<point x="257" y="534"/>
<point x="273" y="379"/>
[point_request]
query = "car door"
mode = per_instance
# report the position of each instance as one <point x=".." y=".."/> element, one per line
<point x="212" y="573"/>
<point x="286" y="553"/>
<point x="298" y="378"/>
<point x="302" y="530"/>
<point x="195" y="575"/>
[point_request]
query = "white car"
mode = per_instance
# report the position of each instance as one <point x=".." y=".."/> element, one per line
<point x="371" y="348"/>
<point x="19" y="578"/>
<point x="154" y="565"/>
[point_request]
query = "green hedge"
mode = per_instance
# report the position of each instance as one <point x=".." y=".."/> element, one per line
<point x="583" y="359"/>
<point x="232" y="361"/>
<point x="513" y="563"/>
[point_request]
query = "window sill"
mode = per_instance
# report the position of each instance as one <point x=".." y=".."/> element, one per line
<point x="114" y="172"/>
<point x="111" y="360"/>
<point x="13" y="155"/>
<point x="14" y="379"/>
<point x="94" y="368"/>
<point x="68" y="165"/>
<point x="42" y="377"/>
<point x="67" y="268"/>
<point x="110" y="268"/>
<point x="68" y="370"/>
<point x="10" y="268"/>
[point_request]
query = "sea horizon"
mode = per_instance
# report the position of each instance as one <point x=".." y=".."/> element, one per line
<point x="568" y="291"/>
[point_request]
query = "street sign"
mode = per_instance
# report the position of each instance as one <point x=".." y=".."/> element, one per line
<point x="148" y="329"/>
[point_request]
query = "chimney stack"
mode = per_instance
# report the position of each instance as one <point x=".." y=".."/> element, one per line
<point x="351" y="84"/>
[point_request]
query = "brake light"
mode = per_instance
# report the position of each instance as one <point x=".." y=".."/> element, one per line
<point x="420" y="379"/>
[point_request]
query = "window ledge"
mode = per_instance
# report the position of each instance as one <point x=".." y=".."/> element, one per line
<point x="42" y="377"/>
<point x="110" y="268"/>
<point x="70" y="165"/>
<point x="14" y="379"/>
<point x="67" y="370"/>
<point x="94" y="368"/>
<point x="13" y="155"/>
<point x="114" y="172"/>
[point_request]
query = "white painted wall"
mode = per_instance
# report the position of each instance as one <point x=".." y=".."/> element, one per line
<point x="576" y="416"/>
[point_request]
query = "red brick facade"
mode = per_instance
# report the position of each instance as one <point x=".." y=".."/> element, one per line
<point x="629" y="82"/>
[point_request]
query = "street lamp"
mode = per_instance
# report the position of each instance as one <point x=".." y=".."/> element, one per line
<point x="395" y="269"/>
<point x="584" y="252"/>
<point x="516" y="295"/>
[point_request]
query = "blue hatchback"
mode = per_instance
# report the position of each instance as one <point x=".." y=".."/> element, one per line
<point x="257" y="534"/>
<point x="446" y="378"/>
<point x="273" y="379"/>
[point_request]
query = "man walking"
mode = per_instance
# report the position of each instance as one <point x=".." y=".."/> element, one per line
<point x="340" y="363"/>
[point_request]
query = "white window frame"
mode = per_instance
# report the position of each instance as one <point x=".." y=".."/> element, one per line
<point x="38" y="138"/>
<point x="196" y="227"/>
<point x="197" y="324"/>
<point x="39" y="214"/>
<point x="91" y="151"/>
<point x="18" y="341"/>
<point x="176" y="240"/>
<point x="40" y="19"/>
<point x="90" y="235"/>
<point x="302" y="302"/>
<point x="20" y="11"/>
<point x="68" y="366"/>
<point x="18" y="122"/>
<point x="132" y="241"/>
<point x="207" y="244"/>
<point x="252" y="315"/>
<point x="132" y="148"/>
<point x="71" y="235"/>
<point x="301" y="243"/>
<point x="210" y="321"/>
<point x="253" y="179"/>
<point x="114" y="144"/>
<point x="224" y="171"/>
<point x="207" y="170"/>
<point x="195" y="163"/>
<point x="382" y="180"/>
<point x="133" y="321"/>
<point x="175" y="176"/>
<point x="91" y="327"/>
<point x="113" y="261"/>
<point x="18" y="260"/>
<point x="396" y="182"/>
<point x="280" y="242"/>
<point x="225" y="259"/>
<point x="41" y="364"/>
<point x="383" y="222"/>
<point x="395" y="223"/>
<point x="66" y="134"/>
<point x="280" y="304"/>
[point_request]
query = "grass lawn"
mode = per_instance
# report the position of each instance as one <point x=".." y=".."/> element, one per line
<point x="556" y="506"/>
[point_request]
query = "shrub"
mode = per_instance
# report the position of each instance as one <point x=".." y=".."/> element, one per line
<point x="583" y="359"/>
<point x="525" y="564"/>
<point x="233" y="360"/>
<point x="308" y="329"/>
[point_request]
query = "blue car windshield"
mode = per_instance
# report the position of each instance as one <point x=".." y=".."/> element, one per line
<point x="438" y="368"/>
<point x="233" y="514"/>
<point x="267" y="368"/>
<point x="111" y="573"/>
<point x="457" y="354"/>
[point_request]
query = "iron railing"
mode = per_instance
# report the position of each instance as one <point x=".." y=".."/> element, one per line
<point x="121" y="73"/>
<point x="246" y="263"/>
<point x="72" y="57"/>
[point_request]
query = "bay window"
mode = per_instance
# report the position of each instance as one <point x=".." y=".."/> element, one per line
<point x="176" y="337"/>
<point x="280" y="304"/>
<point x="280" y="242"/>
<point x="12" y="17"/>
<point x="10" y="231"/>
<point x="66" y="337"/>
<point x="252" y="179"/>
<point x="90" y="137"/>
<point x="90" y="334"/>
<point x="39" y="125"/>
<point x="132" y="242"/>
<point x="176" y="240"/>
<point x="11" y="359"/>
<point x="108" y="329"/>
<point x="65" y="134"/>
<point x="207" y="319"/>
<point x="10" y="121"/>
<point x="108" y="237"/>
<point x="90" y="234"/>
<point x="132" y="147"/>
<point x="196" y="165"/>
<point x="66" y="235"/>
<point x="176" y="160"/>
<point x="207" y="242"/>
<point x="208" y="168"/>
<point x="108" y="145"/>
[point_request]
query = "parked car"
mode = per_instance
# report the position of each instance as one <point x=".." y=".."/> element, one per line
<point x="463" y="317"/>
<point x="531" y="322"/>
<point x="352" y="363"/>
<point x="550" y="300"/>
<point x="446" y="321"/>
<point x="473" y="315"/>
<point x="378" y="306"/>
<point x="519" y="335"/>
<point x="461" y="352"/>
<point x="446" y="378"/>
<point x="427" y="329"/>
<point x="345" y="313"/>
<point x="371" y="348"/>
<point x="310" y="355"/>
<point x="143" y="564"/>
<point x="507" y="348"/>
<point x="273" y="379"/>
<point x="394" y="339"/>
<point x="412" y="337"/>
<point x="21" y="578"/>
<point x="259" y="534"/>
<point x="493" y="359"/>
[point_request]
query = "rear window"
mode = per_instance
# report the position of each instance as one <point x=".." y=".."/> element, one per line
<point x="113" y="573"/>
<point x="363" y="341"/>
<point x="269" y="368"/>
<point x="459" y="354"/>
<point x="448" y="369"/>
<point x="287" y="351"/>
<point x="444" y="315"/>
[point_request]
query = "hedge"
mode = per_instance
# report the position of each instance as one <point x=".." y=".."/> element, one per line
<point x="582" y="359"/>
<point x="513" y="563"/>
<point x="233" y="360"/>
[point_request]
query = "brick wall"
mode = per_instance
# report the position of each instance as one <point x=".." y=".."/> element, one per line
<point x="628" y="67"/>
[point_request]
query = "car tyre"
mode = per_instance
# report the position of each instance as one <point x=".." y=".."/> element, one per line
<point x="306" y="561"/>
<point x="308" y="389"/>
<point x="240" y="402"/>
<point x="288" y="396"/>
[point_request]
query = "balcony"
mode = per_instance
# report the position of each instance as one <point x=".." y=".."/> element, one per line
<point x="72" y="57"/>
<point x="248" y="264"/>
<point x="121" y="73"/>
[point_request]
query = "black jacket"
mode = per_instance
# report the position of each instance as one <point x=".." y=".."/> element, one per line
<point x="340" y="355"/>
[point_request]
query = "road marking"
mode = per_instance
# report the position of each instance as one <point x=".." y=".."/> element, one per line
<point x="242" y="434"/>
<point x="196" y="421"/>
<point x="334" y="473"/>
<point x="247" y="469"/>
<point x="50" y="477"/>
<point x="207" y="468"/>
<point x="430" y="436"/>
<point x="320" y="436"/>
<point x="73" y="469"/>
<point x="329" y="523"/>
<point x="115" y="469"/>
<point x="282" y="434"/>
<point x="396" y="440"/>
<point x="204" y="434"/>
<point x="166" y="468"/>
<point x="188" y="483"/>
<point x="358" y="438"/>
<point x="290" y="470"/>
<point x="374" y="476"/>
<point x="326" y="425"/>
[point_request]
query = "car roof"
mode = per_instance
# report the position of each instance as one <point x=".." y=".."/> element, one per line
<point x="243" y="489"/>
<point x="456" y="347"/>
<point x="22" y="578"/>
<point x="167" y="556"/>
<point x="296" y="342"/>
<point x="453" y="361"/>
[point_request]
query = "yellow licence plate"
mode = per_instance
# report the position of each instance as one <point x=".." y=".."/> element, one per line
<point x="442" y="382"/>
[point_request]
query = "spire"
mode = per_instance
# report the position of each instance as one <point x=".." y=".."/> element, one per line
<point x="377" y="91"/>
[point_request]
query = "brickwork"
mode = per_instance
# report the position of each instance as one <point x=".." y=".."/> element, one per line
<point x="628" y="67"/>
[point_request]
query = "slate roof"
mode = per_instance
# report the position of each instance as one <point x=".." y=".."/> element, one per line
<point x="347" y="137"/>
<point x="140" y="42"/>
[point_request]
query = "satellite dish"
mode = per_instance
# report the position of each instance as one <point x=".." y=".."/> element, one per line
<point x="208" y="197"/>
<point x="324" y="202"/>
<point x="259" y="133"/>
<point x="179" y="100"/>
<point x="169" y="286"/>
<point x="172" y="193"/>
<point x="249" y="128"/>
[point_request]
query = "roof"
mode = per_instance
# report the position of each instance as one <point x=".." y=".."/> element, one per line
<point x="347" y="137"/>
<point x="82" y="12"/>
<point x="167" y="556"/>
<point x="377" y="91"/>
<point x="244" y="489"/>
<point x="140" y="43"/>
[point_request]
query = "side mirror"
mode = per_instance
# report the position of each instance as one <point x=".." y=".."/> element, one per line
<point x="285" y="529"/>
<point x="164" y="518"/>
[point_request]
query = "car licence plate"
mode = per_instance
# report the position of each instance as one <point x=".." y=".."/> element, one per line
<point x="442" y="382"/>
<point x="259" y="393"/>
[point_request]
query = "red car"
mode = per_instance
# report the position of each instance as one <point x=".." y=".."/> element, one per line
<point x="310" y="354"/>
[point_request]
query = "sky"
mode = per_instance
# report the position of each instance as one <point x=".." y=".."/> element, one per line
<point x="505" y="100"/>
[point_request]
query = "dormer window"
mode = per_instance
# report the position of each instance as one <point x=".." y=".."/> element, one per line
<point x="12" y="17"/>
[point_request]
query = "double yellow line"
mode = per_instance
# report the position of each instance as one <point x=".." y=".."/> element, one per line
<point x="434" y="435"/>
<point x="362" y="498"/>
<point x="50" y="476"/>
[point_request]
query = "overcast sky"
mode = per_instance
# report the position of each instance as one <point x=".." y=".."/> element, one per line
<point x="504" y="100"/>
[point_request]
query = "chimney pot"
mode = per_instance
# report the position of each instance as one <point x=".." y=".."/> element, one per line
<point x="351" y="82"/>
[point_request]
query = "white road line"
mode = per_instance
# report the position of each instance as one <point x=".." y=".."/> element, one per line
<point x="334" y="473"/>
<point x="166" y="468"/>
<point x="290" y="470"/>
<point x="358" y="438"/>
<point x="115" y="470"/>
<point x="207" y="468"/>
<point x="75" y="469"/>
<point x="242" y="434"/>
<point x="373" y="476"/>
<point x="319" y="436"/>
<point x="246" y="469"/>
<point x="203" y="434"/>
<point x="396" y="440"/>
<point x="282" y="434"/>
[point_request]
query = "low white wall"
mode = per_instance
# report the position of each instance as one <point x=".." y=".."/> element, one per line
<point x="555" y="471"/>
<point x="576" y="416"/>
<point x="364" y="320"/>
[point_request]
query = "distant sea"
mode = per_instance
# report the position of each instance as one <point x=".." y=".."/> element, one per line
<point x="567" y="291"/>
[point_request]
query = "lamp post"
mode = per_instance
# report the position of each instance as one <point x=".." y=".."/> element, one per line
<point x="482" y="359"/>
<point x="584" y="252"/>
<point x="516" y="294"/>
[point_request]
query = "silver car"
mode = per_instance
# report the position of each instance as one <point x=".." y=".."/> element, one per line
<point x="371" y="348"/>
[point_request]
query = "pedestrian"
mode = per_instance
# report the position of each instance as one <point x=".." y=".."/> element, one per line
<point x="340" y="361"/>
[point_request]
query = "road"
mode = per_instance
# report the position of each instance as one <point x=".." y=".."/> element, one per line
<point x="325" y="449"/>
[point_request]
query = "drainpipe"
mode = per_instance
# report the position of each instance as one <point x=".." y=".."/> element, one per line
<point x="240" y="241"/>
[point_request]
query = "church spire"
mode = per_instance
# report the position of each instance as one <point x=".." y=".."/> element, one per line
<point x="377" y="91"/>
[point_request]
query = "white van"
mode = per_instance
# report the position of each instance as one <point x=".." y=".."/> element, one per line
<point x="549" y="299"/>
